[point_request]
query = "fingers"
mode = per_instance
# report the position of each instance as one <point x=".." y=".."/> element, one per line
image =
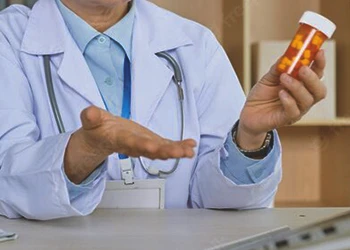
<point x="92" y="117"/>
<point x="299" y="96"/>
<point x="319" y="64"/>
<point x="127" y="137"/>
<point x="170" y="150"/>
<point x="190" y="143"/>
<point x="306" y="92"/>
<point x="313" y="83"/>
<point x="273" y="75"/>
<point x="303" y="98"/>
<point x="164" y="150"/>
<point x="291" y="109"/>
<point x="176" y="150"/>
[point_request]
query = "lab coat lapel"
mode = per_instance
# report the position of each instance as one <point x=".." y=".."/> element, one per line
<point x="75" y="72"/>
<point x="153" y="32"/>
<point x="150" y="79"/>
<point x="47" y="34"/>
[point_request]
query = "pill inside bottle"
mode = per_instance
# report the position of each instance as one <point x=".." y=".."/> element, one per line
<point x="313" y="31"/>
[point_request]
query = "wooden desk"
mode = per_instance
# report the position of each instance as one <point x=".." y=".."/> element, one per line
<point x="154" y="229"/>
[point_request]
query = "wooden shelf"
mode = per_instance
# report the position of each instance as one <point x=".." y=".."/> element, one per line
<point x="316" y="153"/>
<point x="339" y="122"/>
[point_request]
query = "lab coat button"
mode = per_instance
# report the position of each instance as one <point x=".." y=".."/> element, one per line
<point x="108" y="81"/>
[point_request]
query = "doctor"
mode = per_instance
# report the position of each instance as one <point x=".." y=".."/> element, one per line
<point x="231" y="158"/>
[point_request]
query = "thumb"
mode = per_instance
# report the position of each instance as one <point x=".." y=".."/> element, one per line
<point x="273" y="75"/>
<point x="92" y="117"/>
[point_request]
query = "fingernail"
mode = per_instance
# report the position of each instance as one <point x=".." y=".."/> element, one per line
<point x="287" y="79"/>
<point x="283" y="94"/>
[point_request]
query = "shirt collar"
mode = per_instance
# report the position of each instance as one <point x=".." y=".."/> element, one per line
<point x="122" y="31"/>
<point x="83" y="33"/>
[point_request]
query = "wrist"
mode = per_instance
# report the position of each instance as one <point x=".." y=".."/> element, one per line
<point x="247" y="139"/>
<point x="81" y="159"/>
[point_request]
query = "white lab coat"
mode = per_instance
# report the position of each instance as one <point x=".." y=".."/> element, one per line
<point x="32" y="182"/>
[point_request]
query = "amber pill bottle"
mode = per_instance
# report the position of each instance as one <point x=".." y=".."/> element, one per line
<point x="313" y="31"/>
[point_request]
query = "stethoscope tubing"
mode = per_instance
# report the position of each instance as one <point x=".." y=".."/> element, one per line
<point x="177" y="78"/>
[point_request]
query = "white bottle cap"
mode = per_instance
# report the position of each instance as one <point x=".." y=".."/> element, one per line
<point x="319" y="22"/>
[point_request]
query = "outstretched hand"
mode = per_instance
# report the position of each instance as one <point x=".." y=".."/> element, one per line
<point x="109" y="134"/>
<point x="103" y="134"/>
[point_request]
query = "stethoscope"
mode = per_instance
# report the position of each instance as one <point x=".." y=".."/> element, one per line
<point x="151" y="170"/>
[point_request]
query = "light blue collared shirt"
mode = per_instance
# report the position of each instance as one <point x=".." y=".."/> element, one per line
<point x="105" y="54"/>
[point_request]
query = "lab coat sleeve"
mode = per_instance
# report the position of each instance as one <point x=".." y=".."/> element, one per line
<point x="219" y="106"/>
<point x="32" y="181"/>
<point x="243" y="170"/>
<point x="87" y="185"/>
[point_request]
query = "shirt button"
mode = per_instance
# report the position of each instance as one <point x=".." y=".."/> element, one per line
<point x="102" y="39"/>
<point x="108" y="81"/>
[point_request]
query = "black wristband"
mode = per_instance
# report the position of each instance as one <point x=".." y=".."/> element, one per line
<point x="260" y="153"/>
